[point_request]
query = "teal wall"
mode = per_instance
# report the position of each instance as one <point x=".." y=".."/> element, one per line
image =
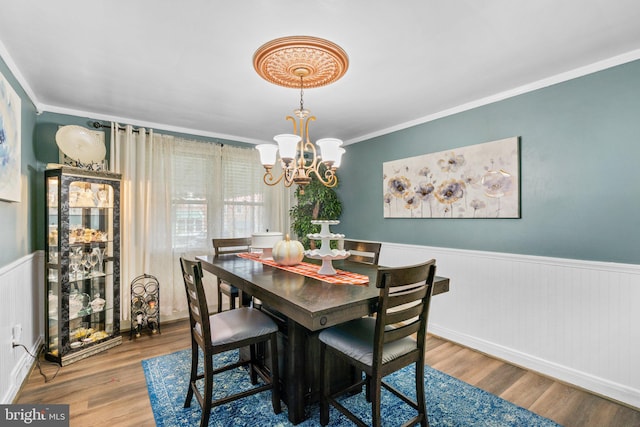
<point x="17" y="237"/>
<point x="580" y="180"/>
<point x="580" y="173"/>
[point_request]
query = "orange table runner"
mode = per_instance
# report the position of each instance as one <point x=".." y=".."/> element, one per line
<point x="311" y="270"/>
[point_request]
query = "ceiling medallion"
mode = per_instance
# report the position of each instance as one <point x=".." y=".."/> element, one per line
<point x="301" y="62"/>
<point x="285" y="60"/>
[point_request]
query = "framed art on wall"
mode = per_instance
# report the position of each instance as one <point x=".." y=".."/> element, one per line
<point x="10" y="142"/>
<point x="477" y="181"/>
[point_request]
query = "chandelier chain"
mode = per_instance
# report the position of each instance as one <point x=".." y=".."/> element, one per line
<point x="301" y="95"/>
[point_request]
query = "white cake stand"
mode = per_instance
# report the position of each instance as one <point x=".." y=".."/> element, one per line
<point x="325" y="253"/>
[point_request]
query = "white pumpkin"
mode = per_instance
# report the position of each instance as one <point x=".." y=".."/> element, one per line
<point x="288" y="252"/>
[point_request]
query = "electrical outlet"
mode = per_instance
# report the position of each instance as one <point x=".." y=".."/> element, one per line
<point x="16" y="334"/>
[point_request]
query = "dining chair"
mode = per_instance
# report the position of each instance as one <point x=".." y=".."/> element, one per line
<point x="221" y="332"/>
<point x="383" y="344"/>
<point x="363" y="252"/>
<point x="230" y="246"/>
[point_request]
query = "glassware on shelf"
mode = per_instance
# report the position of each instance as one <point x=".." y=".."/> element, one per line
<point x="84" y="261"/>
<point x="101" y="253"/>
<point x="98" y="303"/>
<point x="103" y="198"/>
<point x="74" y="266"/>
<point x="93" y="260"/>
<point x="85" y="300"/>
<point x="75" y="304"/>
<point x="85" y="198"/>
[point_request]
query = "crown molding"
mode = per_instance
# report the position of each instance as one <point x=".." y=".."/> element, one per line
<point x="530" y="87"/>
<point x="13" y="68"/>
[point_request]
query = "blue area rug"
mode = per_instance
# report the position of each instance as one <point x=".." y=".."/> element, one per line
<point x="450" y="402"/>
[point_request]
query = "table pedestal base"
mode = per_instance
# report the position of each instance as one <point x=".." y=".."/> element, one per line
<point x="299" y="356"/>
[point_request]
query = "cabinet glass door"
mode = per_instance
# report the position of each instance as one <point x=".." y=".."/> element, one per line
<point x="83" y="263"/>
<point x="90" y="269"/>
<point x="53" y="264"/>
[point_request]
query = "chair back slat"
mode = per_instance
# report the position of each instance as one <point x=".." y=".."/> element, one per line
<point x="407" y="296"/>
<point x="403" y="315"/>
<point x="401" y="332"/>
<point x="231" y="245"/>
<point x="403" y="303"/>
<point x="363" y="252"/>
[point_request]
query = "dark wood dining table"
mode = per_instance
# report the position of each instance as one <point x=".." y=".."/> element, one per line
<point x="303" y="306"/>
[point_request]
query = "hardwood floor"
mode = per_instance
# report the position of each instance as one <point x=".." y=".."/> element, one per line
<point x="110" y="389"/>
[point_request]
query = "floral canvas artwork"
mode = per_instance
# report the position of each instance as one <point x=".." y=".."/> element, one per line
<point x="478" y="181"/>
<point x="10" y="142"/>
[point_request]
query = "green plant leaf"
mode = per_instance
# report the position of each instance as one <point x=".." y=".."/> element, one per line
<point x="317" y="202"/>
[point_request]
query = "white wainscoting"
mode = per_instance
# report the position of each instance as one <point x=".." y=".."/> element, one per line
<point x="21" y="303"/>
<point x="577" y="321"/>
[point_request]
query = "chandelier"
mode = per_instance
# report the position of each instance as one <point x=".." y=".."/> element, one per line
<point x="304" y="62"/>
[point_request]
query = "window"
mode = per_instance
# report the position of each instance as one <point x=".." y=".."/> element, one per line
<point x="217" y="192"/>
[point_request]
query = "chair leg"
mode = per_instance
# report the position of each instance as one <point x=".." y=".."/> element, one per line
<point x="375" y="385"/>
<point x="194" y="374"/>
<point x="219" y="299"/>
<point x="420" y="398"/>
<point x="275" y="374"/>
<point x="208" y="391"/>
<point x="324" y="387"/>
<point x="252" y="364"/>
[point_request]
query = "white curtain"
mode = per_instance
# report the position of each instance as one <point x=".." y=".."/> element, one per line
<point x="178" y="194"/>
<point x="144" y="161"/>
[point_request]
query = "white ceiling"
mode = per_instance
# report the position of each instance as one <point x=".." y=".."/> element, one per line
<point x="187" y="66"/>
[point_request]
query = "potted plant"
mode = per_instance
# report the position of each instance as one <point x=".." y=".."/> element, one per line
<point x="314" y="202"/>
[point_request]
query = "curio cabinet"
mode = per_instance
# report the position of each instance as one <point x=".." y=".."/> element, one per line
<point x="82" y="258"/>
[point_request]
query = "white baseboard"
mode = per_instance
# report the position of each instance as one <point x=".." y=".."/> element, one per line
<point x="21" y="371"/>
<point x="590" y="383"/>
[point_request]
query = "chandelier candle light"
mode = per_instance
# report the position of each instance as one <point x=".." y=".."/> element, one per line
<point x="304" y="62"/>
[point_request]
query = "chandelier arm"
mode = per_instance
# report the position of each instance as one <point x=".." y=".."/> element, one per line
<point x="308" y="143"/>
<point x="330" y="179"/>
<point x="289" y="175"/>
<point x="295" y="127"/>
<point x="269" y="179"/>
<point x="309" y="147"/>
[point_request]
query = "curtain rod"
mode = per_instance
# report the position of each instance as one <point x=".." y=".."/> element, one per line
<point x="99" y="125"/>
